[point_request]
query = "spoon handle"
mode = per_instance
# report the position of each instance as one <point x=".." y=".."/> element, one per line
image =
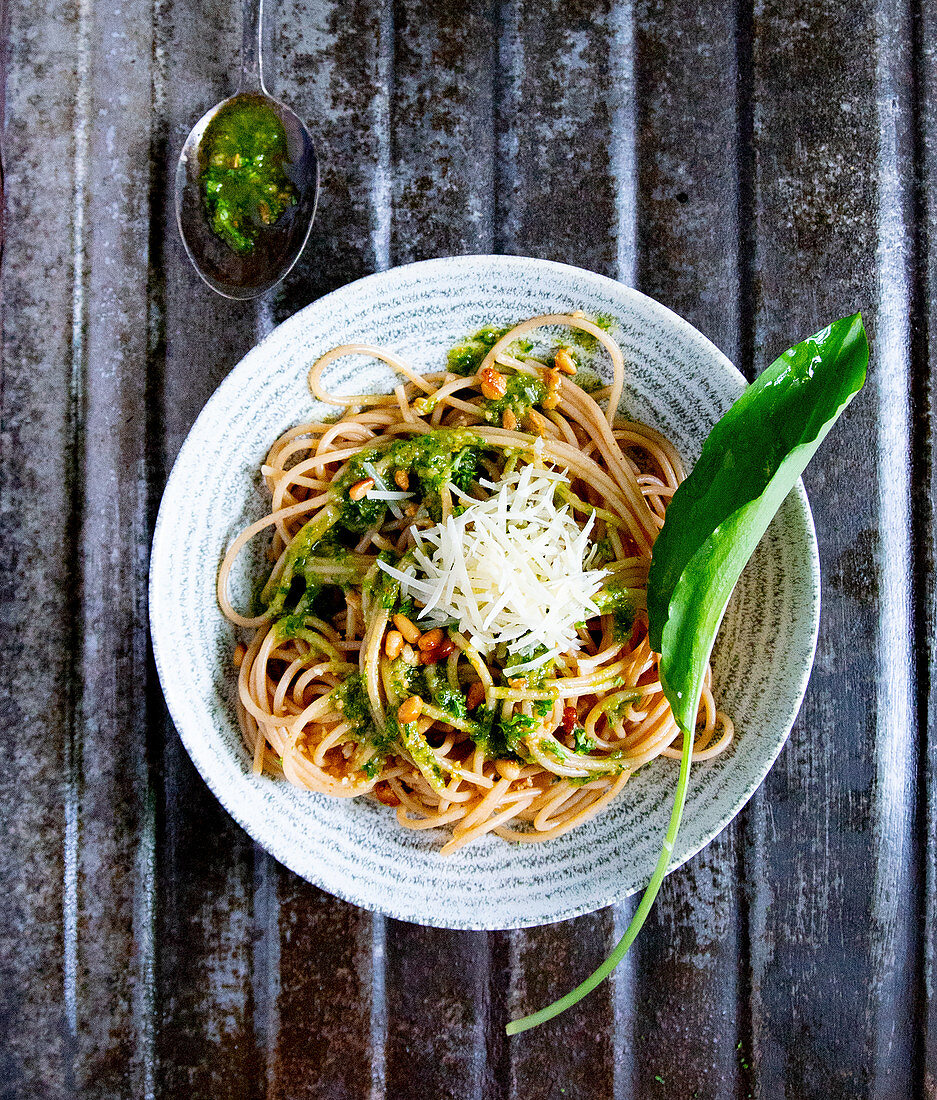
<point x="252" y="68"/>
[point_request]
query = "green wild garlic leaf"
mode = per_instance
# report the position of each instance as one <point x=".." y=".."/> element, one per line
<point x="749" y="463"/>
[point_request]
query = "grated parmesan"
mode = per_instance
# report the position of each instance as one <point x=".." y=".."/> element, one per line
<point x="511" y="570"/>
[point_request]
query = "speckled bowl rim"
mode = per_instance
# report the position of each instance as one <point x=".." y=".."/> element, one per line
<point x="196" y="744"/>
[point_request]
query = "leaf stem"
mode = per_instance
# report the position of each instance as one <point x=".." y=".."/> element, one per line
<point x="525" y="1023"/>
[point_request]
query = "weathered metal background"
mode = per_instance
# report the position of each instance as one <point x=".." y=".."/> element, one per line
<point x="760" y="168"/>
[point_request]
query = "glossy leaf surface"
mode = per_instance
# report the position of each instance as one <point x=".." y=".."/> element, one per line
<point x="749" y="463"/>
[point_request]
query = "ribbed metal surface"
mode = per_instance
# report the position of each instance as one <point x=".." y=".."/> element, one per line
<point x="761" y="169"/>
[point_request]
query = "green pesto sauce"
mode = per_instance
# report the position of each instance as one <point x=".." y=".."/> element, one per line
<point x="548" y="745"/>
<point x="316" y="562"/>
<point x="603" y="554"/>
<point x="619" y="602"/>
<point x="585" y="340"/>
<point x="533" y="677"/>
<point x="465" y="358"/>
<point x="244" y="184"/>
<point x="501" y="738"/>
<point x="294" y="626"/>
<point x="431" y="686"/>
<point x="543" y="707"/>
<point x="408" y="735"/>
<point x="588" y="381"/>
<point x="351" y="698"/>
<point x="372" y="768"/>
<point x="523" y="392"/>
<point x="442" y="693"/>
<point x="446" y="456"/>
<point x="407" y="679"/>
<point x="582" y="743"/>
<point x="615" y="711"/>
<point x="381" y="586"/>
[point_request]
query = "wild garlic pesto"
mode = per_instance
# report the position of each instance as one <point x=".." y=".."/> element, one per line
<point x="465" y="358"/>
<point x="244" y="183"/>
<point x="523" y="392"/>
<point x="438" y="458"/>
<point x="621" y="603"/>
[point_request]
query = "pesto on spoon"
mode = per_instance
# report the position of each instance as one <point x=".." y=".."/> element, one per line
<point x="247" y="182"/>
<point x="245" y="185"/>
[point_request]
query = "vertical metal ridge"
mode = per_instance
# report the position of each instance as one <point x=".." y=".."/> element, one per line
<point x="622" y="152"/>
<point x="73" y="537"/>
<point x="265" y="962"/>
<point x="378" y="1008"/>
<point x="382" y="203"/>
<point x="754" y="901"/>
<point x="750" y="854"/>
<point x="114" y="826"/>
<point x="512" y="963"/>
<point x="382" y="200"/>
<point x="155" y="472"/>
<point x="490" y="213"/>
<point x="745" y="158"/>
<point x="145" y="919"/>
<point x="498" y="124"/>
<point x="624" y="1014"/>
<point x="497" y="1008"/>
<point x="159" y="200"/>
<point x="265" y="968"/>
<point x="480" y="1026"/>
<point x="922" y="541"/>
<point x="509" y="63"/>
<point x="895" y="725"/>
<point x="623" y="168"/>
<point x="491" y="1083"/>
<point x="497" y="1044"/>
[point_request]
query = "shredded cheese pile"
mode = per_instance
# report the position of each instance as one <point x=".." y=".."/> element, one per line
<point x="511" y="570"/>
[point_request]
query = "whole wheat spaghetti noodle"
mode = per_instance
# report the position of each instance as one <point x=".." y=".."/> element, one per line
<point x="454" y="619"/>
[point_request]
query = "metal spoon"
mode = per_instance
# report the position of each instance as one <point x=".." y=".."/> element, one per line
<point x="278" y="247"/>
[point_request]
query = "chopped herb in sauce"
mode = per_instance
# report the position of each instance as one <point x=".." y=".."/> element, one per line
<point x="603" y="553"/>
<point x="318" y="570"/>
<point x="465" y="358"/>
<point x="373" y="767"/>
<point x="500" y="738"/>
<point x="381" y="586"/>
<point x="585" y="340"/>
<point x="581" y="742"/>
<point x="408" y="735"/>
<point x="523" y="392"/>
<point x="533" y="677"/>
<point x="443" y="457"/>
<point x="351" y="698"/>
<point x="443" y="695"/>
<point x="407" y="679"/>
<point x="621" y="603"/>
<point x="244" y="183"/>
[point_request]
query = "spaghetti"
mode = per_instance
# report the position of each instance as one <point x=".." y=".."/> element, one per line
<point x="454" y="621"/>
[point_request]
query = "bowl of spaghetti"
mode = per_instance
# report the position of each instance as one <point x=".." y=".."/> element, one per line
<point x="398" y="592"/>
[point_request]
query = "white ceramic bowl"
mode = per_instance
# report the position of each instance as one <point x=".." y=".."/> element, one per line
<point x="676" y="381"/>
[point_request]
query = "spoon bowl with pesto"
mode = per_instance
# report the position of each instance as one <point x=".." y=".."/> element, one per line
<point x="247" y="183"/>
